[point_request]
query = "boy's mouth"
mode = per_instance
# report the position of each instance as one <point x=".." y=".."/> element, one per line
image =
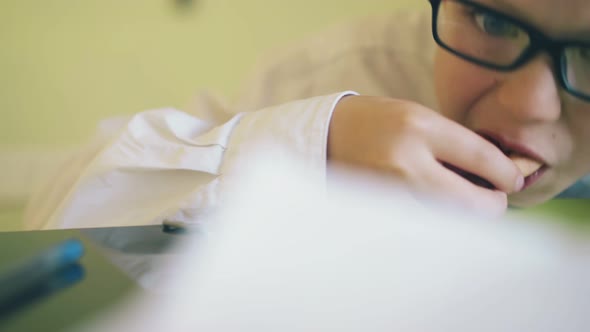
<point x="526" y="165"/>
<point x="531" y="166"/>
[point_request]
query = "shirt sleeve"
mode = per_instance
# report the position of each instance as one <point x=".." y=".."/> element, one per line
<point x="167" y="165"/>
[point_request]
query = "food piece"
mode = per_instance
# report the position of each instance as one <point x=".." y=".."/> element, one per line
<point x="526" y="165"/>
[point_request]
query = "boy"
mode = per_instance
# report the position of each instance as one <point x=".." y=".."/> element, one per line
<point x="512" y="86"/>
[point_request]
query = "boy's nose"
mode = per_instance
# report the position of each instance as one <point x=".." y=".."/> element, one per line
<point x="531" y="93"/>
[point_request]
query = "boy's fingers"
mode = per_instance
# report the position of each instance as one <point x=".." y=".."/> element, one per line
<point x="469" y="152"/>
<point x="452" y="188"/>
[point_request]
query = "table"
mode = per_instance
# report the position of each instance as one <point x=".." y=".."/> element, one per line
<point x="102" y="286"/>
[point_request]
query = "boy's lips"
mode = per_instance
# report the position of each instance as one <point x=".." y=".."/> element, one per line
<point x="509" y="148"/>
<point x="532" y="178"/>
<point x="530" y="163"/>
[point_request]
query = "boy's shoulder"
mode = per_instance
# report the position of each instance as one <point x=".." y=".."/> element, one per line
<point x="405" y="32"/>
<point x="372" y="55"/>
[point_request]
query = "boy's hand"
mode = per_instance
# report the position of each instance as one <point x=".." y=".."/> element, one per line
<point x="411" y="143"/>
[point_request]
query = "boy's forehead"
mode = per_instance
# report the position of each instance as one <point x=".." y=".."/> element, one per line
<point x="558" y="18"/>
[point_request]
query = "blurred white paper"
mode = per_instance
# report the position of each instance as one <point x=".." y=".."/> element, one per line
<point x="284" y="256"/>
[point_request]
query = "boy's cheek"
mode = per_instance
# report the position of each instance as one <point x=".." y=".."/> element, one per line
<point x="581" y="136"/>
<point x="459" y="84"/>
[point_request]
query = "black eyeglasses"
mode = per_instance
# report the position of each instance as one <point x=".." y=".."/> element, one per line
<point x="494" y="40"/>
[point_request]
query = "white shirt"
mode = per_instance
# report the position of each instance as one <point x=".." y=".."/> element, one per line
<point x="168" y="165"/>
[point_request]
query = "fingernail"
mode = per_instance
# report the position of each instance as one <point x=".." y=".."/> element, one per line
<point x="519" y="183"/>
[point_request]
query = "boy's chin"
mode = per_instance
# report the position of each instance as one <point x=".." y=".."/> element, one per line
<point x="529" y="199"/>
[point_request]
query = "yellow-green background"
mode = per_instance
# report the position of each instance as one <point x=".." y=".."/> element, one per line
<point x="65" y="64"/>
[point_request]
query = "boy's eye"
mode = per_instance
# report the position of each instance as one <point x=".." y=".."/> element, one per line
<point x="496" y="26"/>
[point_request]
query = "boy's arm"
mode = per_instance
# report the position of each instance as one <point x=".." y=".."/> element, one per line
<point x="169" y="165"/>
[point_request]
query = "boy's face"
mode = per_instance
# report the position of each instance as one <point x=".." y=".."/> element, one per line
<point x="526" y="106"/>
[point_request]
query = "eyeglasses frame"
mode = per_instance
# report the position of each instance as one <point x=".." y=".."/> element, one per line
<point x="539" y="42"/>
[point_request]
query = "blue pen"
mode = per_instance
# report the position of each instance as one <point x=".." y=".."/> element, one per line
<point x="62" y="279"/>
<point x="29" y="273"/>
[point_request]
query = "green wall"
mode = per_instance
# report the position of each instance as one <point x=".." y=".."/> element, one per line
<point x="66" y="64"/>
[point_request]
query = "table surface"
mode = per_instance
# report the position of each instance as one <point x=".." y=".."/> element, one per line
<point x="102" y="286"/>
